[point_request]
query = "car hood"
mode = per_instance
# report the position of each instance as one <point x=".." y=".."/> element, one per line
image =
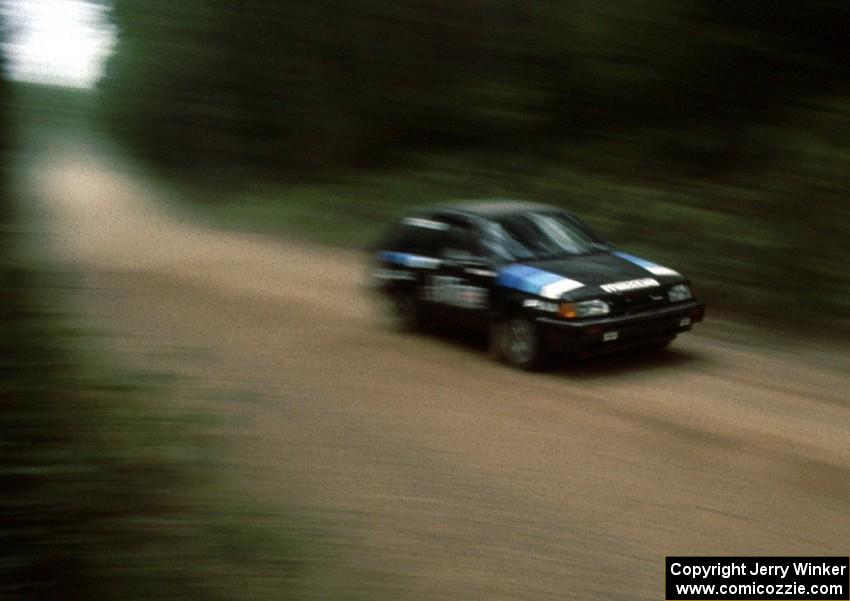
<point x="586" y="275"/>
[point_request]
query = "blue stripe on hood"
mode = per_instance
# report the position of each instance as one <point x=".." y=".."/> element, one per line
<point x="525" y="278"/>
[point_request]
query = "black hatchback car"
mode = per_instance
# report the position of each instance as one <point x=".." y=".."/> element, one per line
<point x="534" y="277"/>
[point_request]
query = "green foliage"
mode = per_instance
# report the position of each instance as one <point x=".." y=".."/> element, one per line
<point x="291" y="85"/>
<point x="714" y="133"/>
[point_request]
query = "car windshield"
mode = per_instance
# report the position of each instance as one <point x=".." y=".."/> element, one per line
<point x="537" y="235"/>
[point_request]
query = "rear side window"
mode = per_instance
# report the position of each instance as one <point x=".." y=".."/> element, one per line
<point x="460" y="239"/>
<point x="418" y="235"/>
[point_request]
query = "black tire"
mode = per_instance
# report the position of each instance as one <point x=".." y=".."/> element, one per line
<point x="660" y="345"/>
<point x="517" y="340"/>
<point x="407" y="310"/>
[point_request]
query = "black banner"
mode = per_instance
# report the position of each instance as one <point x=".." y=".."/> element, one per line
<point x="758" y="578"/>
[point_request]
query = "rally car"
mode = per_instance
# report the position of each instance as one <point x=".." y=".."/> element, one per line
<point x="533" y="276"/>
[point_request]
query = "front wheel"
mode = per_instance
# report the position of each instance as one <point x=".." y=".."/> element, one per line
<point x="660" y="345"/>
<point x="517" y="340"/>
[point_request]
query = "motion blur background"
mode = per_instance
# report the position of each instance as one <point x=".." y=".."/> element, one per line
<point x="707" y="135"/>
<point x="710" y="135"/>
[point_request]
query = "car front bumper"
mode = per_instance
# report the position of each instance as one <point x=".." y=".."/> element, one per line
<point x="600" y="335"/>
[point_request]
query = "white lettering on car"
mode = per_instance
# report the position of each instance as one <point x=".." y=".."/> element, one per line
<point x="447" y="290"/>
<point x="630" y="285"/>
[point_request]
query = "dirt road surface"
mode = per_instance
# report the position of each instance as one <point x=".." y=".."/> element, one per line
<point x="434" y="472"/>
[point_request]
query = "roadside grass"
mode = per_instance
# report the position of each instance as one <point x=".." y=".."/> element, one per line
<point x="114" y="480"/>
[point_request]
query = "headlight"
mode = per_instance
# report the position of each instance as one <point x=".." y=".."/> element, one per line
<point x="679" y="292"/>
<point x="584" y="309"/>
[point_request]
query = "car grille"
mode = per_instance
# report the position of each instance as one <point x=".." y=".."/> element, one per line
<point x="637" y="301"/>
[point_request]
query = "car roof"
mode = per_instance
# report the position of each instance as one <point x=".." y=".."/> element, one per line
<point x="489" y="208"/>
